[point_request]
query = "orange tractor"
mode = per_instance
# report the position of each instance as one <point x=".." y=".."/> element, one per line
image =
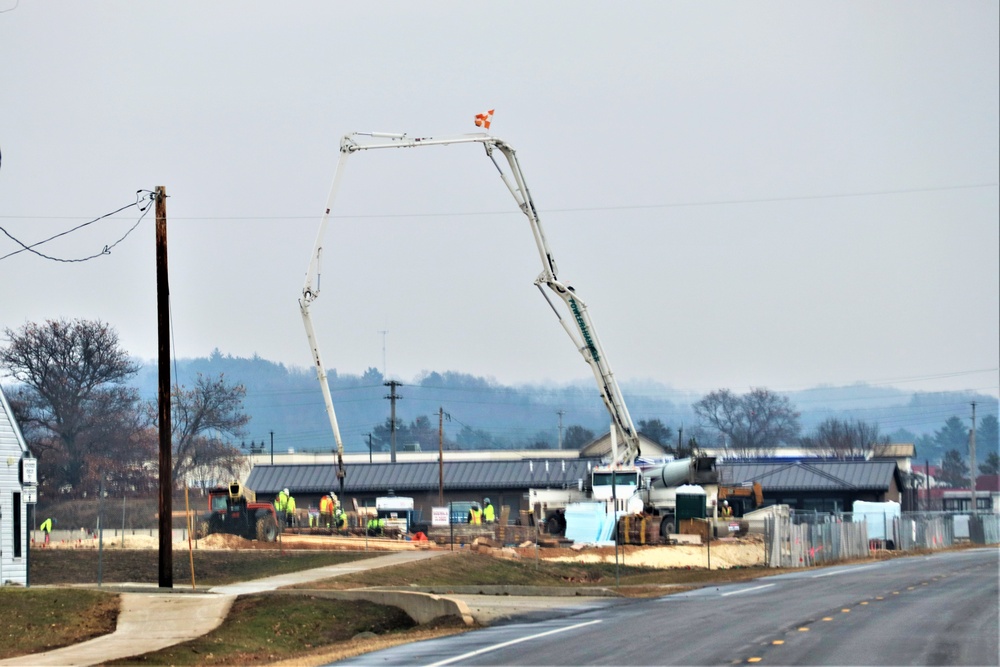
<point x="233" y="510"/>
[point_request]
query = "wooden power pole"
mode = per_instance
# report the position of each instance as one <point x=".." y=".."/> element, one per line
<point x="393" y="397"/>
<point x="163" y="334"/>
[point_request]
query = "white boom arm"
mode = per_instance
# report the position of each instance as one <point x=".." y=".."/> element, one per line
<point x="581" y="331"/>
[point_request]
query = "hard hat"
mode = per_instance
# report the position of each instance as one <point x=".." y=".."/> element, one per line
<point x="725" y="502"/>
<point x="486" y="500"/>
<point x="285" y="492"/>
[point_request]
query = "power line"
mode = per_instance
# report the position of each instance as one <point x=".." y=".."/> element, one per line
<point x="582" y="209"/>
<point x="148" y="197"/>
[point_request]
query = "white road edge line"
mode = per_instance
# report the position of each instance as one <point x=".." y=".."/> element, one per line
<point x="746" y="590"/>
<point x="836" y="572"/>
<point x="487" y="649"/>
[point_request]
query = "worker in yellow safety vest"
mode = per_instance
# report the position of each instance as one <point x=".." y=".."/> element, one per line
<point x="376" y="526"/>
<point x="46" y="528"/>
<point x="475" y="515"/>
<point x="726" y="512"/>
<point x="290" y="510"/>
<point x="489" y="514"/>
<point x="281" y="505"/>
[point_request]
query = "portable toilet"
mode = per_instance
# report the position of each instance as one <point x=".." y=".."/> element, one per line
<point x="692" y="503"/>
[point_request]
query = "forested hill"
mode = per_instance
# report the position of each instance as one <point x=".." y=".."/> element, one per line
<point x="482" y="414"/>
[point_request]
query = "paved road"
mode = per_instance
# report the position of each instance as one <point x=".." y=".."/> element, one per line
<point x="929" y="610"/>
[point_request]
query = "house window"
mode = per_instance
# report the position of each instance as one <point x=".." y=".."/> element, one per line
<point x="17" y="525"/>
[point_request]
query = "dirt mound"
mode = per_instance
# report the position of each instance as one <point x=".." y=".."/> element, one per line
<point x="723" y="554"/>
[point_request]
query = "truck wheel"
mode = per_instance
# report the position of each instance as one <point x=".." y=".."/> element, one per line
<point x="267" y="529"/>
<point x="667" y="527"/>
<point x="556" y="524"/>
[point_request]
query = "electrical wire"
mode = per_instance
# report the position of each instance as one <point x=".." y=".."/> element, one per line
<point x="148" y="198"/>
<point x="583" y="209"/>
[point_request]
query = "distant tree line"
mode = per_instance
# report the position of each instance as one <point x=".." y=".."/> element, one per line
<point x="89" y="413"/>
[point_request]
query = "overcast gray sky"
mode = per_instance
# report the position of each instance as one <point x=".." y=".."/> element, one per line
<point x="777" y="194"/>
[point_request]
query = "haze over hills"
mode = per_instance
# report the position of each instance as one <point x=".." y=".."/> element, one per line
<point x="483" y="414"/>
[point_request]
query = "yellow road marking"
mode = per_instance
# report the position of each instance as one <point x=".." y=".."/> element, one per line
<point x="864" y="602"/>
<point x="895" y="592"/>
<point x="845" y="611"/>
<point x="910" y="588"/>
<point x="879" y="597"/>
<point x="828" y="618"/>
<point x="803" y="629"/>
<point x="753" y="659"/>
<point x="778" y="642"/>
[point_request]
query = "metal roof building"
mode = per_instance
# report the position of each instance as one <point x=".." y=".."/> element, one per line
<point x="812" y="484"/>
<point x="822" y="485"/>
<point x="421" y="476"/>
<point x="506" y="482"/>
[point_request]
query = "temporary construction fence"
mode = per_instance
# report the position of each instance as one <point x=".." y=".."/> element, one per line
<point x="805" y="543"/>
<point x="802" y="539"/>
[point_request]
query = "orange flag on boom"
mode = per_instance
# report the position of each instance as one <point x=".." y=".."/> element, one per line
<point x="483" y="120"/>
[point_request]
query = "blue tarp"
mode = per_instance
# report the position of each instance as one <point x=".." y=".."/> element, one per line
<point x="590" y="523"/>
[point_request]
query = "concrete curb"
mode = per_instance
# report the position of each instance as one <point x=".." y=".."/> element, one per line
<point x="513" y="590"/>
<point x="421" y="607"/>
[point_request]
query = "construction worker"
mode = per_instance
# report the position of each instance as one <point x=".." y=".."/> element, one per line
<point x="326" y="511"/>
<point x="47" y="528"/>
<point x="290" y="511"/>
<point x="281" y="505"/>
<point x="475" y="515"/>
<point x="726" y="512"/>
<point x="489" y="514"/>
<point x="339" y="518"/>
<point x="376" y="526"/>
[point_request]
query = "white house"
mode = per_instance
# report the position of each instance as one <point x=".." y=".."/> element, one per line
<point x="13" y="506"/>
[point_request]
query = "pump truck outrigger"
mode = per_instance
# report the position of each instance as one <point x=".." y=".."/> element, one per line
<point x="576" y="322"/>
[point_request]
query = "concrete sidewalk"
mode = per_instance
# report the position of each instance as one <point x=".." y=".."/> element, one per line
<point x="150" y="621"/>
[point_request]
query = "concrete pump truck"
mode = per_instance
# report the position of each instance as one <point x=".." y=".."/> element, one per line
<point x="617" y="481"/>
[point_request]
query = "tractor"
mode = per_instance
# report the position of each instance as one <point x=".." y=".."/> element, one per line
<point x="233" y="510"/>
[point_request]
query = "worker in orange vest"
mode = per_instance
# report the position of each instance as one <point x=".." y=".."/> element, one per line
<point x="326" y="511"/>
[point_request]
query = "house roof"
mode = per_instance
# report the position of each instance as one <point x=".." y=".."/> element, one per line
<point x="420" y="476"/>
<point x="8" y="425"/>
<point x="809" y="475"/>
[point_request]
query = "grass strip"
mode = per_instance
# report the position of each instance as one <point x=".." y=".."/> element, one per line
<point x="36" y="620"/>
<point x="212" y="567"/>
<point x="261" y="629"/>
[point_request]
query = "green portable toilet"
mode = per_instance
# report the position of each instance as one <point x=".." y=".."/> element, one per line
<point x="691" y="502"/>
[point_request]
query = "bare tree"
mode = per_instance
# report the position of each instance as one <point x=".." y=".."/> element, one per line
<point x="201" y="418"/>
<point x="844" y="438"/>
<point x="753" y="424"/>
<point x="73" y="402"/>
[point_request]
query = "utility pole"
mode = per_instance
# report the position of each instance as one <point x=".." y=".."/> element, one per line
<point x="972" y="455"/>
<point x="560" y="413"/>
<point x="680" y="439"/>
<point x="166" y="561"/>
<point x="369" y="448"/>
<point x="272" y="447"/>
<point x="393" y="397"/>
<point x="441" y="416"/>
